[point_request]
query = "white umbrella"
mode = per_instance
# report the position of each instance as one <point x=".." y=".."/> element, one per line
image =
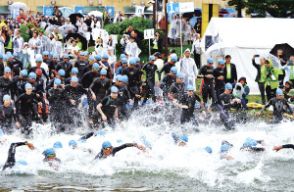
<point x="96" y="13"/>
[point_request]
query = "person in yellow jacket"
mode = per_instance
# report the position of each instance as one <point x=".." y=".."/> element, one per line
<point x="271" y="80"/>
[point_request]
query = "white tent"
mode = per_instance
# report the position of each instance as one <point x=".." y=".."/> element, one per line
<point x="244" y="37"/>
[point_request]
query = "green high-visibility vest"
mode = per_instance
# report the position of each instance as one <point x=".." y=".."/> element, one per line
<point x="229" y="71"/>
<point x="262" y="74"/>
<point x="291" y="72"/>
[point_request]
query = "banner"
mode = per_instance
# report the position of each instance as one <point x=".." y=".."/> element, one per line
<point x="48" y="10"/>
<point x="139" y="10"/>
<point x="111" y="11"/>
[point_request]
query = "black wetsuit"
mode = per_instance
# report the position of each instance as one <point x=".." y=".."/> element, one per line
<point x="188" y="114"/>
<point x="208" y="89"/>
<point x="6" y="86"/>
<point x="10" y="162"/>
<point x="150" y="70"/>
<point x="7" y="116"/>
<point x="109" y="105"/>
<point x="115" y="150"/>
<point x="124" y="96"/>
<point x="219" y="84"/>
<point x="177" y="89"/>
<point x="88" y="78"/>
<point x="223" y="107"/>
<point x="288" y="146"/>
<point x="67" y="66"/>
<point x="166" y="83"/>
<point x="280" y="106"/>
<point x="82" y="67"/>
<point x="26" y="107"/>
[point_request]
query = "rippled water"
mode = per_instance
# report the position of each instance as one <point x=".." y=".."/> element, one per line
<point x="166" y="167"/>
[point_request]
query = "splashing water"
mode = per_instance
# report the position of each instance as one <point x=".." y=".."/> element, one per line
<point x="167" y="167"/>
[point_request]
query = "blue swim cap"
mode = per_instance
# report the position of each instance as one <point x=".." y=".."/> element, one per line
<point x="152" y="58"/>
<point x="45" y="53"/>
<point x="208" y="149"/>
<point x="184" y="138"/>
<point x="21" y="162"/>
<point x="125" y="79"/>
<point x="209" y="60"/>
<point x="124" y="61"/>
<point x="180" y="75"/>
<point x="249" y="142"/>
<point x="49" y="152"/>
<point x="173" y="70"/>
<point x="28" y="86"/>
<point x="103" y="72"/>
<point x="221" y="61"/>
<point x="122" y="56"/>
<point x="228" y="86"/>
<point x="65" y="56"/>
<point x="24" y="73"/>
<point x="57" y="145"/>
<point x="105" y="56"/>
<point x="279" y="92"/>
<point x="95" y="67"/>
<point x="106" y="144"/>
<point x="74" y="70"/>
<point x="133" y="61"/>
<point x="114" y="89"/>
<point x="57" y="81"/>
<point x="98" y="57"/>
<point x="6" y="98"/>
<point x="225" y="146"/>
<point x="61" y="72"/>
<point x="32" y="75"/>
<point x="190" y="88"/>
<point x="91" y="58"/>
<point x="72" y="143"/>
<point x="74" y="79"/>
<point x="7" y="70"/>
<point x="174" y="58"/>
<point x="39" y="59"/>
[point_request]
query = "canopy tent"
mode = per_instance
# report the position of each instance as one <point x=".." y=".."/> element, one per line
<point x="244" y="37"/>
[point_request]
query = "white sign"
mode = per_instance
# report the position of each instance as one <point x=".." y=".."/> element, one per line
<point x="186" y="7"/>
<point x="148" y="33"/>
<point x="139" y="10"/>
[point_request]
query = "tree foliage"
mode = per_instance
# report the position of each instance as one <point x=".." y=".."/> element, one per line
<point x="276" y="8"/>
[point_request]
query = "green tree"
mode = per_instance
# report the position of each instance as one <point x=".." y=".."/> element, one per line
<point x="276" y="8"/>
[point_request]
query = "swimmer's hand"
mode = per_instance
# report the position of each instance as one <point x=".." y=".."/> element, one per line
<point x="277" y="148"/>
<point x="140" y="147"/>
<point x="31" y="146"/>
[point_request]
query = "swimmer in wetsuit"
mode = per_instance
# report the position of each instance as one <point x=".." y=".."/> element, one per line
<point x="108" y="150"/>
<point x="10" y="162"/>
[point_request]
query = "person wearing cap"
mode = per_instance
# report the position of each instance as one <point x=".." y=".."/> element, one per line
<point x="180" y="140"/>
<point x="51" y="158"/>
<point x="253" y="145"/>
<point x="187" y="104"/>
<point x="6" y="83"/>
<point x="168" y="80"/>
<point x="10" y="162"/>
<point x="177" y="89"/>
<point x="82" y="63"/>
<point x="26" y="108"/>
<point x="57" y="99"/>
<point x="150" y="70"/>
<point x="20" y="82"/>
<point x="280" y="106"/>
<point x="225" y="149"/>
<point x="207" y="84"/>
<point x="189" y="68"/>
<point x="107" y="108"/>
<point x="124" y="96"/>
<point x="219" y="77"/>
<point x="123" y="66"/>
<point x="39" y="63"/>
<point x="225" y="103"/>
<point x="52" y="64"/>
<point x="65" y="64"/>
<point x="230" y="71"/>
<point x="88" y="78"/>
<point x="171" y="63"/>
<point x="134" y="74"/>
<point x="108" y="150"/>
<point x="7" y="115"/>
